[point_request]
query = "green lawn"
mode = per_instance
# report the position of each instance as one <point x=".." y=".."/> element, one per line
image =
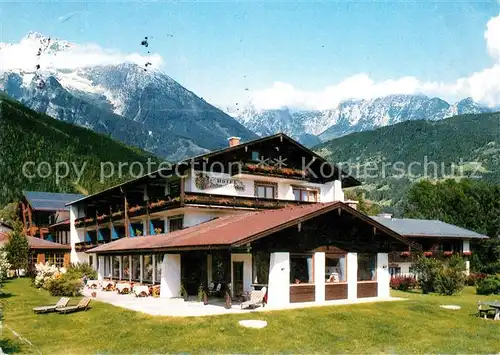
<point x="416" y="325"/>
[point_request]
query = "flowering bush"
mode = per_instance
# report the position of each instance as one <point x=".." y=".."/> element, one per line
<point x="4" y="265"/>
<point x="473" y="279"/>
<point x="405" y="254"/>
<point x="403" y="283"/>
<point x="45" y="272"/>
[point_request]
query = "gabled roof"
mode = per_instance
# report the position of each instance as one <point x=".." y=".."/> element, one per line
<point x="348" y="181"/>
<point x="412" y="228"/>
<point x="236" y="230"/>
<point x="50" y="201"/>
<point x="37" y="243"/>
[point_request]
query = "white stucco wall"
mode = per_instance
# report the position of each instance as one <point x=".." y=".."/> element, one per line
<point x="383" y="277"/>
<point x="352" y="276"/>
<point x="331" y="191"/>
<point x="170" y="276"/>
<point x="319" y="276"/>
<point x="247" y="270"/>
<point x="279" y="280"/>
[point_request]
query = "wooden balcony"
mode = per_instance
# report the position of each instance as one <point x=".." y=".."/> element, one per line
<point x="407" y="257"/>
<point x="192" y="198"/>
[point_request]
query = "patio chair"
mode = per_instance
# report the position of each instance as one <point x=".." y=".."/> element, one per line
<point x="216" y="291"/>
<point x="46" y="309"/>
<point x="256" y="298"/>
<point x="484" y="309"/>
<point x="211" y="287"/>
<point x="83" y="305"/>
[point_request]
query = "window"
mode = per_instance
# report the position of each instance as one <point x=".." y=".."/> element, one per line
<point x="136" y="267"/>
<point x="173" y="189"/>
<point x="367" y="267"/>
<point x="175" y="223"/>
<point x="261" y="268"/>
<point x="394" y="271"/>
<point x="266" y="190"/>
<point x="159" y="261"/>
<point x="255" y="155"/>
<point x="125" y="267"/>
<point x="148" y="268"/>
<point x="335" y="268"/>
<point x="157" y="226"/>
<point x="91" y="260"/>
<point x="305" y="194"/>
<point x="56" y="259"/>
<point x="116" y="267"/>
<point x="301" y="269"/>
<point x="107" y="266"/>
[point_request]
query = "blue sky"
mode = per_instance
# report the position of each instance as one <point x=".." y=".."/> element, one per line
<point x="220" y="48"/>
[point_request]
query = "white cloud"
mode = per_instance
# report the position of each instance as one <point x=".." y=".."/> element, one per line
<point x="483" y="86"/>
<point x="23" y="56"/>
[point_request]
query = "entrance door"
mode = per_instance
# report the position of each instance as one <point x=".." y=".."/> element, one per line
<point x="237" y="278"/>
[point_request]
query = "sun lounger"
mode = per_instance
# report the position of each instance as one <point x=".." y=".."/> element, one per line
<point x="256" y="298"/>
<point x="81" y="306"/>
<point x="46" y="309"/>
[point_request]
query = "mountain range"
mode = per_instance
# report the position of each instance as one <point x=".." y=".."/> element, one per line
<point x="143" y="108"/>
<point x="313" y="126"/>
<point x="389" y="159"/>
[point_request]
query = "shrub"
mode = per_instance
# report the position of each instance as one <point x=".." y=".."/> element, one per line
<point x="63" y="285"/>
<point x="449" y="280"/>
<point x="489" y="285"/>
<point x="4" y="265"/>
<point x="403" y="283"/>
<point x="427" y="270"/>
<point x="79" y="270"/>
<point x="474" y="278"/>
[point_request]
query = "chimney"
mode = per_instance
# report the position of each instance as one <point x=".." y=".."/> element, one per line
<point x="352" y="204"/>
<point x="385" y="215"/>
<point x="234" y="141"/>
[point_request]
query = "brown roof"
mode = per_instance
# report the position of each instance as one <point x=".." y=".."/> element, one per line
<point x="235" y="230"/>
<point x="36" y="243"/>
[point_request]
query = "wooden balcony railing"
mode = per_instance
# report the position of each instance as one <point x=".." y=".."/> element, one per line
<point x="405" y="256"/>
<point x="238" y="201"/>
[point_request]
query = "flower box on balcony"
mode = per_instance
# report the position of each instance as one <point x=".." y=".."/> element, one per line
<point x="447" y="253"/>
<point x="117" y="214"/>
<point x="428" y="254"/>
<point x="89" y="220"/>
<point x="405" y="254"/>
<point x="102" y="217"/>
<point x="467" y="253"/>
<point x="136" y="209"/>
<point x="288" y="172"/>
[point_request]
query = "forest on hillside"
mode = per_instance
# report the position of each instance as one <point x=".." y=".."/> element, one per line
<point x="27" y="136"/>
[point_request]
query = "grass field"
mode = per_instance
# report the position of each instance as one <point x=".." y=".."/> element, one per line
<point x="416" y="325"/>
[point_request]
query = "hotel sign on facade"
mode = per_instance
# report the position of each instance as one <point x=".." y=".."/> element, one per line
<point x="204" y="182"/>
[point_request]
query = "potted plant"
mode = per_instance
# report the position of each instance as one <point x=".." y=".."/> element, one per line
<point x="405" y="254"/>
<point x="428" y="254"/>
<point x="467" y="253"/>
<point x="228" y="303"/>
<point x="447" y="253"/>
<point x="184" y="293"/>
<point x="202" y="295"/>
<point x="93" y="294"/>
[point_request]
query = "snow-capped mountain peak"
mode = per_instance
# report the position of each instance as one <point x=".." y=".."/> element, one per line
<point x="352" y="116"/>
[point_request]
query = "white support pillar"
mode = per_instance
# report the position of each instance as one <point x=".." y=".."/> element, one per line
<point x="100" y="268"/>
<point x="130" y="268"/>
<point x="141" y="266"/>
<point x="209" y="268"/>
<point x="153" y="280"/>
<point x="319" y="276"/>
<point x="170" y="276"/>
<point x="120" y="271"/>
<point x="466" y="248"/>
<point x="352" y="276"/>
<point x="279" y="279"/>
<point x="383" y="276"/>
